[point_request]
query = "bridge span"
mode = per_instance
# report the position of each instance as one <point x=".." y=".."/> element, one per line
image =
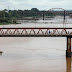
<point x="39" y="32"/>
<point x="35" y="32"/>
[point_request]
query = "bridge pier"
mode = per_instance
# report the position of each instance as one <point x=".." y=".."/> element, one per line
<point x="68" y="51"/>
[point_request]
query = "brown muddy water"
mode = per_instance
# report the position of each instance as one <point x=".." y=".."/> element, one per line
<point x="29" y="54"/>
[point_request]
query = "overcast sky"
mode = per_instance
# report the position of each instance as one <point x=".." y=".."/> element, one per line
<point x="40" y="4"/>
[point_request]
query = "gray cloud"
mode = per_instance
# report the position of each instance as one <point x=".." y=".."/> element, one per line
<point x="40" y="4"/>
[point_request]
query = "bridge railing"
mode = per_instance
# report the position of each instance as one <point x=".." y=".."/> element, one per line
<point x="36" y="31"/>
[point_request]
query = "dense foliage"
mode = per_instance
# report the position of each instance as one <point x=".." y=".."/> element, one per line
<point x="18" y="14"/>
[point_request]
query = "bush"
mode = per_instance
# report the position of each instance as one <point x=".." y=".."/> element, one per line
<point x="14" y="21"/>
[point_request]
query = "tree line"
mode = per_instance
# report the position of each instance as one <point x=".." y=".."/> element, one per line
<point x="13" y="15"/>
<point x="16" y="14"/>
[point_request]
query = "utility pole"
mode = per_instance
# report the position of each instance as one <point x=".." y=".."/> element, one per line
<point x="64" y="14"/>
<point x="43" y="15"/>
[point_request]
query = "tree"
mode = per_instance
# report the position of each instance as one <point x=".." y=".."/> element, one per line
<point x="34" y="10"/>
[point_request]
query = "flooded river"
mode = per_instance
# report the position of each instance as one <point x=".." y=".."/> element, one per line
<point x="40" y="54"/>
<point x="34" y="54"/>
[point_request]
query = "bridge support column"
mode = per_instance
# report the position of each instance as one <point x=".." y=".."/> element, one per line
<point x="68" y="51"/>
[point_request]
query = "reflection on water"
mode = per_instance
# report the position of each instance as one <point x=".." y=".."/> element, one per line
<point x="68" y="60"/>
<point x="34" y="55"/>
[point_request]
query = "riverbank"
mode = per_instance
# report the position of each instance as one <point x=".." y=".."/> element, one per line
<point x="8" y="23"/>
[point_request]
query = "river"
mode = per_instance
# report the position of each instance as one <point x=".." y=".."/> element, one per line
<point x="34" y="54"/>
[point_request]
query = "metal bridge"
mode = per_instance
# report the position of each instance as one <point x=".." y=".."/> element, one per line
<point x="39" y="32"/>
<point x="35" y="32"/>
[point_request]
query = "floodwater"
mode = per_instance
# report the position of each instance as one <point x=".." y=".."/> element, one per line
<point x="40" y="54"/>
<point x="55" y="22"/>
<point x="34" y="54"/>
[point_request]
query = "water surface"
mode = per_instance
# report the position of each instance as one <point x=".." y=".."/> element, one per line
<point x="40" y="54"/>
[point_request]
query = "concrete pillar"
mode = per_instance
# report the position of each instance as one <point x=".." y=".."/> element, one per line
<point x="68" y="51"/>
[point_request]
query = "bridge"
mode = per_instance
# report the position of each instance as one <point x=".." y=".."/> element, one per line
<point x="44" y="31"/>
<point x="35" y="32"/>
<point x="39" y="32"/>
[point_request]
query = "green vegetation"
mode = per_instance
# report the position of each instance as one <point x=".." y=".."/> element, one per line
<point x="20" y="14"/>
<point x="7" y="21"/>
